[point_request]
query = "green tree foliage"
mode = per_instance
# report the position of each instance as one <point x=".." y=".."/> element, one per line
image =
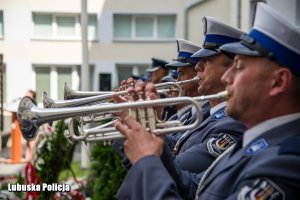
<point x="107" y="173"/>
<point x="54" y="154"/>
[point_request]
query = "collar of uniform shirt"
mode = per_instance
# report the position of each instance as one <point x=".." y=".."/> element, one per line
<point x="262" y="127"/>
<point x="217" y="107"/>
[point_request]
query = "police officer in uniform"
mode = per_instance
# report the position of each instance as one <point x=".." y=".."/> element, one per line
<point x="158" y="70"/>
<point x="218" y="131"/>
<point x="184" y="64"/>
<point x="264" y="88"/>
<point x="159" y="74"/>
<point x="186" y="114"/>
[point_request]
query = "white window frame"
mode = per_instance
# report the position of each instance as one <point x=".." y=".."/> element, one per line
<point x="54" y="27"/>
<point x="75" y="76"/>
<point x="54" y="78"/>
<point x="155" y="30"/>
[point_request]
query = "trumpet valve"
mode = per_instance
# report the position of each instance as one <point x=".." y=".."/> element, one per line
<point x="151" y="119"/>
<point x="141" y="111"/>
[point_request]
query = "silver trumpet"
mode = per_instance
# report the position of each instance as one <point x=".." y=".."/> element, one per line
<point x="97" y="134"/>
<point x="51" y="103"/>
<point x="74" y="94"/>
<point x="93" y="134"/>
<point x="167" y="85"/>
<point x="31" y="117"/>
<point x="78" y="98"/>
<point x="161" y="87"/>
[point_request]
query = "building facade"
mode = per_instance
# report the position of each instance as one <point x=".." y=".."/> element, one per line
<point x="41" y="40"/>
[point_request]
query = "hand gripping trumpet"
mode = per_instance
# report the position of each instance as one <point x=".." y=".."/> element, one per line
<point x="31" y="117"/>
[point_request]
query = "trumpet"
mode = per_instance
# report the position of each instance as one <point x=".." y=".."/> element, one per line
<point x="161" y="87"/>
<point x="93" y="134"/>
<point x="51" y="103"/>
<point x="74" y="94"/>
<point x="78" y="98"/>
<point x="98" y="134"/>
<point x="31" y="117"/>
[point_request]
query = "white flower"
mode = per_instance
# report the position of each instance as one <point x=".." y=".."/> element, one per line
<point x="39" y="162"/>
<point x="49" y="146"/>
<point x="40" y="145"/>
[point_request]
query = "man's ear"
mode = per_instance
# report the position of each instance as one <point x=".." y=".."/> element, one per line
<point x="281" y="81"/>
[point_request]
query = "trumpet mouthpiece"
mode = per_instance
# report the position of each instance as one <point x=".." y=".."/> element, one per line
<point x="196" y="78"/>
<point x="224" y="94"/>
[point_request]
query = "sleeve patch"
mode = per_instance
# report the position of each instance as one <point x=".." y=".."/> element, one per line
<point x="261" y="189"/>
<point x="218" y="145"/>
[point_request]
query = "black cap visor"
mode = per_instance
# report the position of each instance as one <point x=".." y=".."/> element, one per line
<point x="175" y="64"/>
<point x="153" y="69"/>
<point x="239" y="48"/>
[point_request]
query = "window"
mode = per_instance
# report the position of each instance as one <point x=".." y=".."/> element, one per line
<point x="64" y="75"/>
<point x="51" y="79"/>
<point x="105" y="82"/>
<point x="2" y="79"/>
<point x="62" y="26"/>
<point x="166" y="26"/>
<point x="126" y="71"/>
<point x="43" y="24"/>
<point x="1" y="24"/>
<point x="92" y="27"/>
<point x="4" y="82"/>
<point x="122" y="26"/>
<point x="42" y="82"/>
<point x="144" y="27"/>
<point x="2" y="89"/>
<point x="66" y="26"/>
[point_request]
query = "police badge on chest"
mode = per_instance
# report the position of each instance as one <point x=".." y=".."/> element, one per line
<point x="218" y="145"/>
